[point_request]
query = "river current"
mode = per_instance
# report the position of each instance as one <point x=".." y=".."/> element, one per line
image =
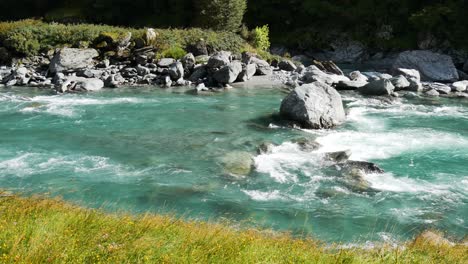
<point x="154" y="150"/>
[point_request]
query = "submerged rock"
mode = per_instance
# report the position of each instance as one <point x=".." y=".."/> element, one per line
<point x="339" y="156"/>
<point x="316" y="105"/>
<point x="265" y="148"/>
<point x="307" y="144"/>
<point x="237" y="163"/>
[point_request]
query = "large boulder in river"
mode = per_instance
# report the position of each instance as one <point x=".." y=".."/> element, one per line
<point x="432" y="66"/>
<point x="315" y="105"/>
<point x="68" y="59"/>
<point x="248" y="71"/>
<point x="219" y="59"/>
<point x="380" y="87"/>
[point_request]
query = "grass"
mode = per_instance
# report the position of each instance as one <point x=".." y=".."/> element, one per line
<point x="45" y="230"/>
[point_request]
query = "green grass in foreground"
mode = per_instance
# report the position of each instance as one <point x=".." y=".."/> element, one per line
<point x="44" y="230"/>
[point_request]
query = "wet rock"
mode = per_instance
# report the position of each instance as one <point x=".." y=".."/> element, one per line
<point x="265" y="148"/>
<point x="237" y="163"/>
<point x="358" y="77"/>
<point x="432" y="66"/>
<point x="380" y="87"/>
<point x="431" y="92"/>
<point x="316" y="105"/>
<point x="376" y="76"/>
<point x="69" y="59"/>
<point x="307" y="144"/>
<point x="439" y="87"/>
<point x="400" y="82"/>
<point x="339" y="156"/>
<point x="287" y="65"/>
<point x="367" y="167"/>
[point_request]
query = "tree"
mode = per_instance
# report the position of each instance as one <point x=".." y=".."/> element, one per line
<point x="220" y="14"/>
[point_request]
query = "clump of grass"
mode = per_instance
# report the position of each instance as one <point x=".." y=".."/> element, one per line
<point x="43" y="230"/>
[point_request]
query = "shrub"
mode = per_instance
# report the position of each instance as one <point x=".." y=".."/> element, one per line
<point x="220" y="14"/>
<point x="260" y="37"/>
<point x="172" y="52"/>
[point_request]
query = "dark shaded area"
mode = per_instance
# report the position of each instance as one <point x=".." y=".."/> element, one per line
<point x="303" y="24"/>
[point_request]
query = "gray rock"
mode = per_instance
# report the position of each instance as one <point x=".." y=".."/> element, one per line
<point x="358" y="76"/>
<point x="142" y="71"/>
<point x="439" y="87"/>
<point x="408" y="73"/>
<point x="316" y="105"/>
<point x="188" y="61"/>
<point x="198" y="74"/>
<point x="343" y="51"/>
<point x="248" y="71"/>
<point x="400" y="82"/>
<point x="201" y="88"/>
<point x="229" y="73"/>
<point x="307" y="144"/>
<point x="202" y="59"/>
<point x="432" y="66"/>
<point x="350" y="85"/>
<point x="219" y="59"/>
<point x="380" y="87"/>
<point x="237" y="163"/>
<point x="68" y="59"/>
<point x="72" y="83"/>
<point x="313" y="74"/>
<point x="339" y="156"/>
<point x="460" y="86"/>
<point x="431" y="92"/>
<point x="176" y="71"/>
<point x="166" y="82"/>
<point x="465" y="66"/>
<point x="114" y="81"/>
<point x="265" y="148"/>
<point x="375" y="76"/>
<point x="263" y="68"/>
<point x="165" y="62"/>
<point x="287" y="65"/>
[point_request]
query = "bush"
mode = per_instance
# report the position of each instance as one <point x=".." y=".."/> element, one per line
<point x="172" y="52"/>
<point x="261" y="38"/>
<point x="221" y="14"/>
<point x="30" y="37"/>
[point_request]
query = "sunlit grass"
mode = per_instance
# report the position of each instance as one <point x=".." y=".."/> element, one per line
<point x="44" y="230"/>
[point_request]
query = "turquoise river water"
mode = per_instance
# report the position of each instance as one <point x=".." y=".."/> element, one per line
<point x="153" y="150"/>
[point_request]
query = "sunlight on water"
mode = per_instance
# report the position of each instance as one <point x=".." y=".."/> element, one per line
<point x="162" y="151"/>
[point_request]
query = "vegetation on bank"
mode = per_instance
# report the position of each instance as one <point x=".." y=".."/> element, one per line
<point x="303" y="24"/>
<point x="44" y="230"/>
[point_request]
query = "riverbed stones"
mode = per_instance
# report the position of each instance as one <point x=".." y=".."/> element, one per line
<point x="315" y="105"/>
<point x="379" y="87"/>
<point x="70" y="59"/>
<point x="237" y="163"/>
<point x="432" y="66"/>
